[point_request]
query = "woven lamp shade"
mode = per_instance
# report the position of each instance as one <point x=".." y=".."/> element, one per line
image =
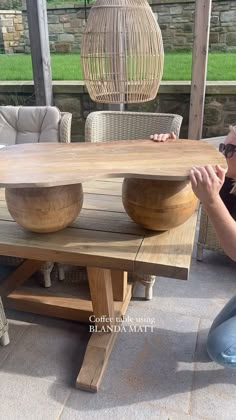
<point x="122" y="52"/>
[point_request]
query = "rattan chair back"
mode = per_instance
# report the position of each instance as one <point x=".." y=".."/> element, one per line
<point x="117" y="125"/>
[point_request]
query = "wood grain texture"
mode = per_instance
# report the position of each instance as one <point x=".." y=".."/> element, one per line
<point x="104" y="237"/>
<point x="158" y="205"/>
<point x="67" y="307"/>
<point x="100" y="285"/>
<point x="40" y="51"/>
<point x="199" y="67"/>
<point x="168" y="254"/>
<point x="119" y="284"/>
<point x="95" y="361"/>
<point x="45" y="209"/>
<point x="22" y="273"/>
<point x="47" y="164"/>
<point x="71" y="246"/>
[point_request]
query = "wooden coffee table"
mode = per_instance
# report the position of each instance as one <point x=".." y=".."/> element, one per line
<point x="43" y="181"/>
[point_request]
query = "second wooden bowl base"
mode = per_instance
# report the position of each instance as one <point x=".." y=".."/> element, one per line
<point x="158" y="205"/>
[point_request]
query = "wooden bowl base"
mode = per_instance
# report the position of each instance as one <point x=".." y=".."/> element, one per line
<point x="157" y="204"/>
<point x="45" y="209"/>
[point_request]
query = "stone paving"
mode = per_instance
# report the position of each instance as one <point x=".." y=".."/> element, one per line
<point x="163" y="373"/>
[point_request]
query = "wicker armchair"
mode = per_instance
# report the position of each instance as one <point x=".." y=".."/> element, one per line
<point x="116" y="125"/>
<point x="21" y="124"/>
<point x="207" y="238"/>
<point x="4" y="337"/>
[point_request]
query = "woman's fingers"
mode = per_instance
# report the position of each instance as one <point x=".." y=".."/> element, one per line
<point x="161" y="137"/>
<point x="172" y="135"/>
<point x="220" y="172"/>
<point x="193" y="178"/>
<point x="198" y="173"/>
<point x="206" y="177"/>
<point x="208" y="174"/>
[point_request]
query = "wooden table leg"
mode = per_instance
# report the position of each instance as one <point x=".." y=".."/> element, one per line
<point x="20" y="275"/>
<point x="100" y="343"/>
<point x="119" y="284"/>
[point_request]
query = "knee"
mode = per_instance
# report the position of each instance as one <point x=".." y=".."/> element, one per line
<point x="222" y="348"/>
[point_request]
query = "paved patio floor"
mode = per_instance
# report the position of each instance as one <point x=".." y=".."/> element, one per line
<point x="163" y="373"/>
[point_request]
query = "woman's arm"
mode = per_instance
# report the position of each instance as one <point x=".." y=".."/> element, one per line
<point x="206" y="184"/>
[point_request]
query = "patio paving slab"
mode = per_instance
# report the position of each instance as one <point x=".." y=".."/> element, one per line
<point x="18" y="322"/>
<point x="137" y="411"/>
<point x="210" y="285"/>
<point x="54" y="351"/>
<point x="23" y="397"/>
<point x="144" y="371"/>
<point x="165" y="374"/>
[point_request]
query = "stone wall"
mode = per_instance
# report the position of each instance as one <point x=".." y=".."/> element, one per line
<point x="65" y="26"/>
<point x="220" y="103"/>
<point x="176" y="20"/>
<point x="11" y="31"/>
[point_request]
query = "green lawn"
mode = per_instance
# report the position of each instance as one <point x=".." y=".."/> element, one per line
<point x="221" y="66"/>
<point x="55" y="2"/>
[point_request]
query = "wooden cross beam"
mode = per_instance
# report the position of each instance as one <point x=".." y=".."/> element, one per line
<point x="40" y="51"/>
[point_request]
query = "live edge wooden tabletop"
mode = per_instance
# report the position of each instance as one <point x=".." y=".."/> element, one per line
<point x="54" y="164"/>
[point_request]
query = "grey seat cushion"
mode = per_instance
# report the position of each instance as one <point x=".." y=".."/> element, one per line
<point x="23" y="124"/>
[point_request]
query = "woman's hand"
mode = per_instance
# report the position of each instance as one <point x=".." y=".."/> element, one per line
<point x="207" y="182"/>
<point x="163" y="137"/>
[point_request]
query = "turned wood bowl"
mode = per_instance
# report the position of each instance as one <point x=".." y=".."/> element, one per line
<point x="158" y="205"/>
<point x="45" y="209"/>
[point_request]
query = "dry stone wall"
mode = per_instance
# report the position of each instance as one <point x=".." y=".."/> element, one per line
<point x="220" y="104"/>
<point x="12" y="35"/>
<point x="176" y="20"/>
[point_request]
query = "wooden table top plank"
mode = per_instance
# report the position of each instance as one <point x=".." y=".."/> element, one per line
<point x="168" y="253"/>
<point x="52" y="164"/>
<point x="71" y="246"/>
<point x="106" y="221"/>
<point x="103" y="187"/>
<point x="103" y="202"/>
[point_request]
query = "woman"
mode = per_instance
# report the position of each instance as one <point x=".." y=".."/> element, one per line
<point x="206" y="183"/>
<point x="228" y="148"/>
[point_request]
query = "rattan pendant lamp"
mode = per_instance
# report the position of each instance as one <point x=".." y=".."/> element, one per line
<point x="122" y="52"/>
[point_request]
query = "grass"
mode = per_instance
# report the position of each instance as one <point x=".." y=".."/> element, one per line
<point x="55" y="2"/>
<point x="221" y="66"/>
